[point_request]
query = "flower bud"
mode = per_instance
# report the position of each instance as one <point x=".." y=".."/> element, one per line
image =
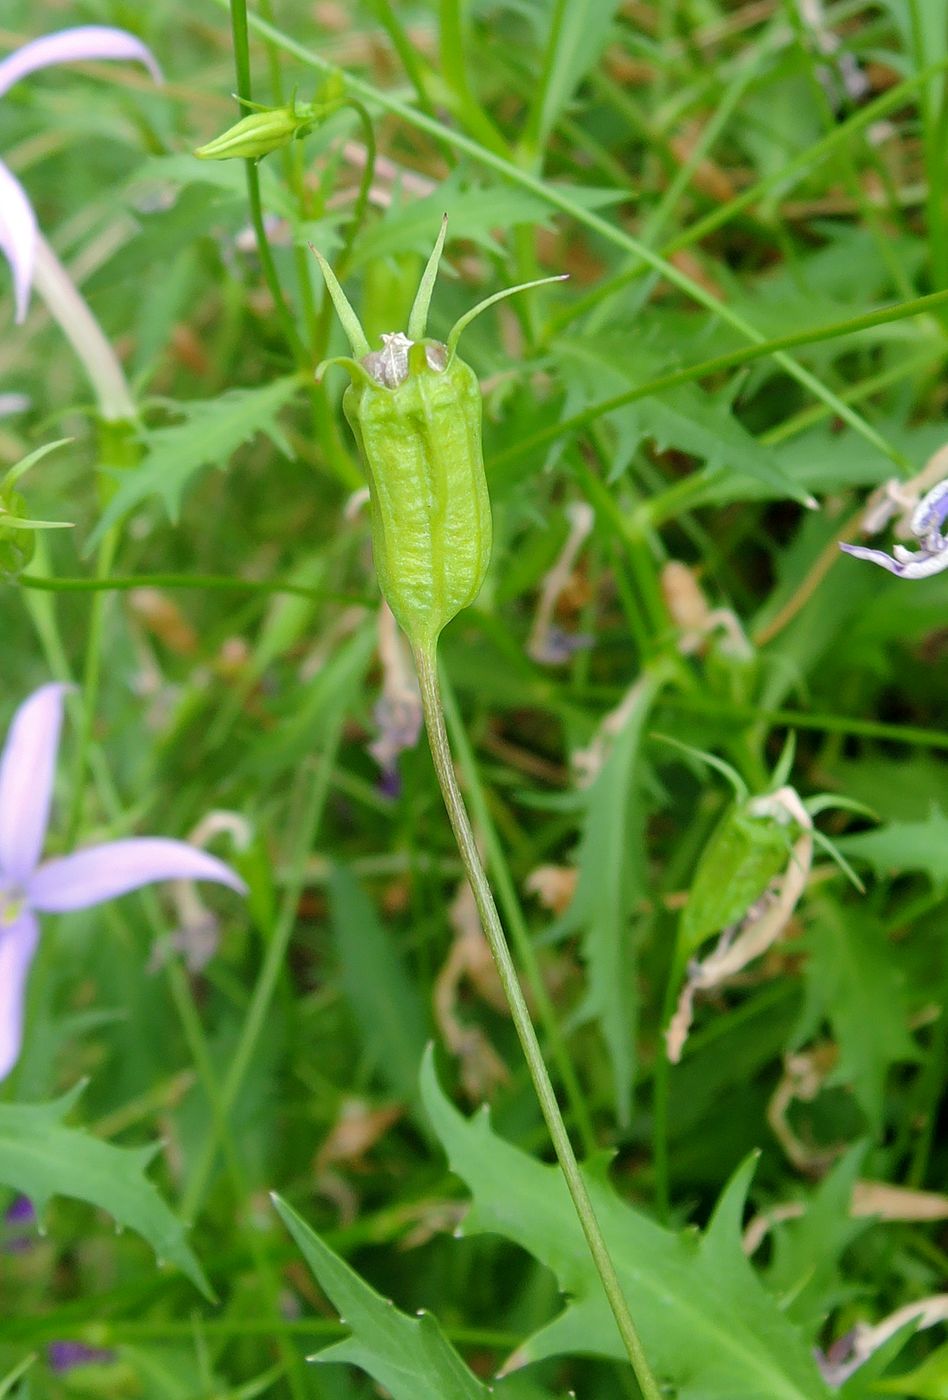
<point x="415" y="409"/>
<point x="264" y="131"/>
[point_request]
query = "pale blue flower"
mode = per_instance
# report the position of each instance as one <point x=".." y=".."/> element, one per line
<point x="927" y="525"/>
<point x="17" y="220"/>
<point x="76" y="881"/>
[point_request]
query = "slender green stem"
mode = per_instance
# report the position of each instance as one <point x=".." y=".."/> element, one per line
<point x="124" y="583"/>
<point x="426" y="662"/>
<point x="241" y="40"/>
<point x="365" y="185"/>
<point x="454" y="50"/>
<point x="92" y="670"/>
<point x="293" y="173"/>
<point x="507" y="895"/>
<point x="932" y="103"/>
<point x="661" y="1093"/>
<point x="534" y="131"/>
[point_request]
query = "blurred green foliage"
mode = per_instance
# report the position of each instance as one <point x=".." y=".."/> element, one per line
<point x="750" y="202"/>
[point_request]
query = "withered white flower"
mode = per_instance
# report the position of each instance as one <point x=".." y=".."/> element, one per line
<point x="927" y="526"/>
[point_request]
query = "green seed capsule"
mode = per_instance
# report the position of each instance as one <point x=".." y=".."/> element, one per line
<point x="421" y="444"/>
<point x="415" y="410"/>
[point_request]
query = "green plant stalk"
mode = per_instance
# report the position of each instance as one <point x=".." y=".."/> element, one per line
<point x="91" y="673"/>
<point x="124" y="583"/>
<point x="507" y="895"/>
<point x="180" y="988"/>
<point x="292" y="172"/>
<point x="360" y="208"/>
<point x="453" y="52"/>
<point x="661" y="1090"/>
<point x="241" y="41"/>
<point x="530" y="142"/>
<point x="427" y="666"/>
<point x="934" y="107"/>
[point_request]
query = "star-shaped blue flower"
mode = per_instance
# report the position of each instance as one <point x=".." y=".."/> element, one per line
<point x="76" y="881"/>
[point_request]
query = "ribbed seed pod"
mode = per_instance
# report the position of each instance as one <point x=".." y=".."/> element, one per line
<point x="415" y="410"/>
<point x="431" y="522"/>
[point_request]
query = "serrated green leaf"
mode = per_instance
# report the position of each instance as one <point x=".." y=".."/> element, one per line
<point x="475" y="211"/>
<point x="40" y="1158"/>
<point x="212" y="431"/>
<point x="387" y="1007"/>
<point x="898" y="847"/>
<point x="804" y="1272"/>
<point x="853" y="974"/>
<point x="408" y="1355"/>
<point x="685" y="418"/>
<point x="708" y="1326"/>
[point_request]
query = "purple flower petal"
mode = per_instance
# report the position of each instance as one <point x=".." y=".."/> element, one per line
<point x="66" y="1356"/>
<point x="931" y="511"/>
<point x="26" y="780"/>
<point x="921" y="565"/>
<point x="103" y="872"/>
<point x="18" y="1227"/>
<point x="75" y="46"/>
<point x="17" y="946"/>
<point x="17" y="238"/>
<point x="20" y="1211"/>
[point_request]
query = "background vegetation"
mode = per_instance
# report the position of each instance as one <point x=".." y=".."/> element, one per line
<point x="749" y="201"/>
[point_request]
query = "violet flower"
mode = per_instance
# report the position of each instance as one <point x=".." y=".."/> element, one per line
<point x="64" y="1356"/>
<point x="76" y="881"/>
<point x="18" y="232"/>
<point x="927" y="526"/>
<point x="18" y="1226"/>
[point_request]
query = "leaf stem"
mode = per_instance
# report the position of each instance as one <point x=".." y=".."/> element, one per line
<point x="426" y="663"/>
